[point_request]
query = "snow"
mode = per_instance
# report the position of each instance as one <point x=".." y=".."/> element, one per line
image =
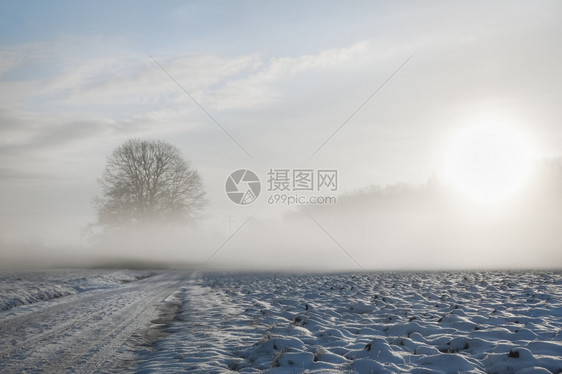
<point x="478" y="322"/>
<point x="22" y="288"/>
<point x="432" y="322"/>
<point x="98" y="328"/>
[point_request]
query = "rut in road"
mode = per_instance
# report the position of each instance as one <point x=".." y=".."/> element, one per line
<point x="83" y="334"/>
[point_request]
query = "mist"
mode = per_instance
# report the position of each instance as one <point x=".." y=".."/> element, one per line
<point x="256" y="87"/>
<point x="392" y="227"/>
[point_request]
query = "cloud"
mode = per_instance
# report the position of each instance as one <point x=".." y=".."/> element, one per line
<point x="27" y="131"/>
<point x="9" y="60"/>
<point x="125" y="84"/>
<point x="11" y="174"/>
<point x="105" y="100"/>
<point x="258" y="88"/>
<point x="54" y="136"/>
<point x="139" y="84"/>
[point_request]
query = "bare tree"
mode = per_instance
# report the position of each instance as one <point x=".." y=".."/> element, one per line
<point x="148" y="181"/>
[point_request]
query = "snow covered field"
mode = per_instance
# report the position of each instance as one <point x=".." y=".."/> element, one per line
<point x="130" y="321"/>
<point x="485" y="322"/>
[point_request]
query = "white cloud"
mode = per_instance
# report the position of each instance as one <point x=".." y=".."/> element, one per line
<point x="9" y="60"/>
<point x="261" y="87"/>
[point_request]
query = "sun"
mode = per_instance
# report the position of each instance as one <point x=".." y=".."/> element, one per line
<point x="488" y="163"/>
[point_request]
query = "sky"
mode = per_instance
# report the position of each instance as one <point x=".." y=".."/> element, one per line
<point x="386" y="93"/>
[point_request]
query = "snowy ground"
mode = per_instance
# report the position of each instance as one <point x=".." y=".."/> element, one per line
<point x="79" y="320"/>
<point x="21" y="288"/>
<point x="127" y="321"/>
<point x="489" y="322"/>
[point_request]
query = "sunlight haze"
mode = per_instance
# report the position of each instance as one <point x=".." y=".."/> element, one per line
<point x="442" y="120"/>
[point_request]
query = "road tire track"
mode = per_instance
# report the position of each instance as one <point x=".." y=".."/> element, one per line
<point x="83" y="334"/>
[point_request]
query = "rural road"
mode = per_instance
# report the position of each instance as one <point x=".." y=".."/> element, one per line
<point x="85" y="332"/>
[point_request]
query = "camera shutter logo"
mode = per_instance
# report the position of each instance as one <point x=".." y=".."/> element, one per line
<point x="243" y="186"/>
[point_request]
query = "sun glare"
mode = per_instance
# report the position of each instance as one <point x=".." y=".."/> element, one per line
<point x="488" y="163"/>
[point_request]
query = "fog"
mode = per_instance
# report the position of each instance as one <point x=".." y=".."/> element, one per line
<point x="378" y="92"/>
<point x="395" y="227"/>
